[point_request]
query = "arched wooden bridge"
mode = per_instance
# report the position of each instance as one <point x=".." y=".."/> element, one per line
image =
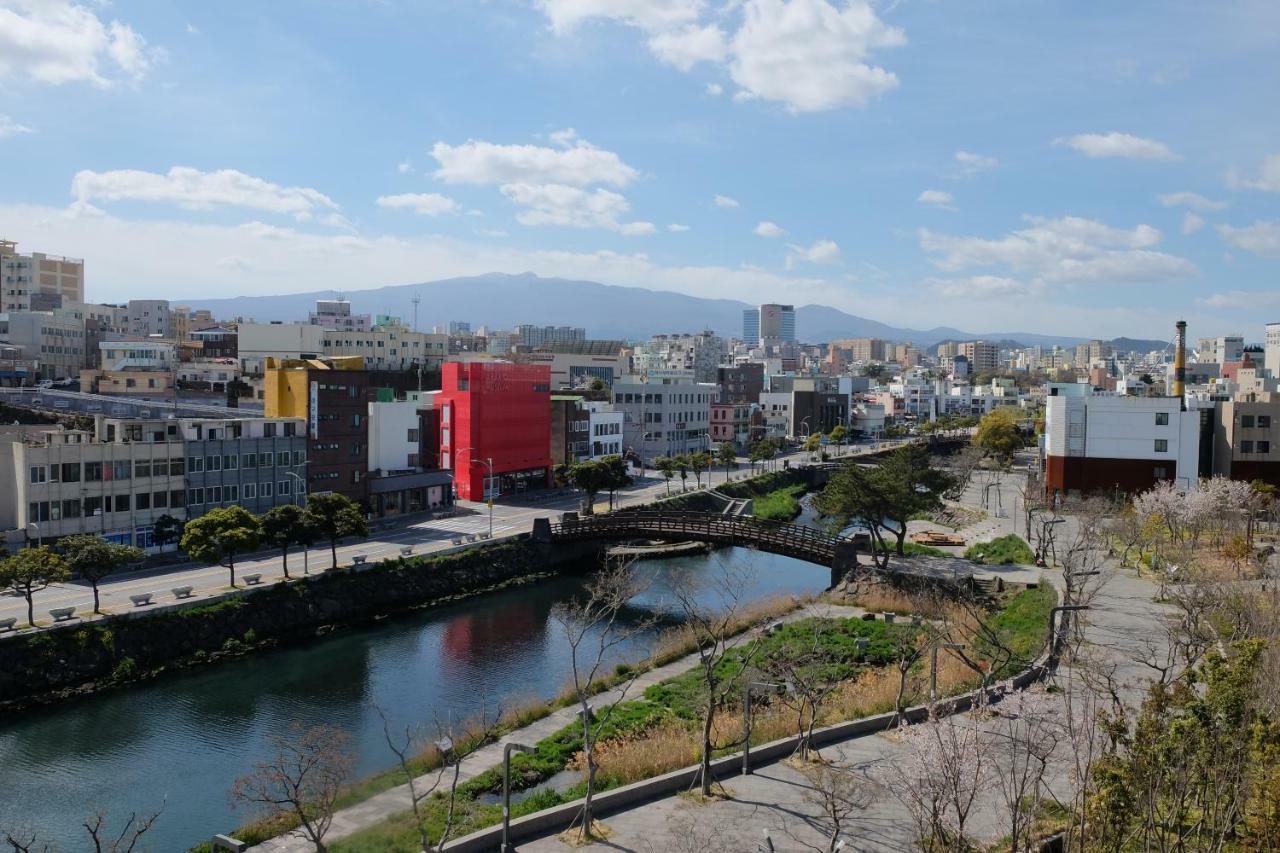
<point x="788" y="540"/>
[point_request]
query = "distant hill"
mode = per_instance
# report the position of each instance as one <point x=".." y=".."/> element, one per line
<point x="606" y="311"/>
<point x="1138" y="344"/>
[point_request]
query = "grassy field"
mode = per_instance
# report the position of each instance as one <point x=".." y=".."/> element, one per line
<point x="1006" y="551"/>
<point x="779" y="505"/>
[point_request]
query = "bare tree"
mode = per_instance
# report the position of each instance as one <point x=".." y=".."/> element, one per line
<point x="26" y="841"/>
<point x="806" y="667"/>
<point x="125" y="842"/>
<point x="1022" y="745"/>
<point x="938" y="780"/>
<point x="713" y="624"/>
<point x="302" y="779"/>
<point x="453" y="745"/>
<point x="593" y="629"/>
<point x="838" y="794"/>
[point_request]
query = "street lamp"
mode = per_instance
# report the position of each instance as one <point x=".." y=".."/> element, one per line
<point x="746" y="719"/>
<point x="488" y="489"/>
<point x="506" y="791"/>
<point x="933" y="667"/>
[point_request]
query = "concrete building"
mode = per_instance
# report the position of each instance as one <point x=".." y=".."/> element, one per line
<point x="778" y="322"/>
<point x="132" y="367"/>
<point x="59" y="279"/>
<point x="148" y="317"/>
<point x="733" y="422"/>
<point x="741" y="383"/>
<point x="950" y="349"/>
<point x="256" y="463"/>
<point x="55" y="340"/>
<point x="387" y="348"/>
<point x="983" y="357"/>
<point x="535" y="336"/>
<point x="583" y="429"/>
<point x="403" y="455"/>
<point x="495" y="427"/>
<point x="336" y="314"/>
<point x="699" y="354"/>
<point x="1221" y="350"/>
<point x="1246" y="439"/>
<point x="216" y="341"/>
<point x="664" y="417"/>
<point x="1271" y="350"/>
<point x="574" y="364"/>
<point x="332" y="396"/>
<point x="256" y="342"/>
<point x="867" y="349"/>
<point x="1096" y="442"/>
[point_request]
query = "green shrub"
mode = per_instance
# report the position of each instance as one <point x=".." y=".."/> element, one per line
<point x="1005" y="551"/>
<point x="125" y="668"/>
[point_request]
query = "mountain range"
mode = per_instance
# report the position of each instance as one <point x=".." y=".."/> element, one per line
<point x="605" y="311"/>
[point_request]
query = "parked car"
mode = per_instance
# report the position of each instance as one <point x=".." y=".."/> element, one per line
<point x="65" y="381"/>
<point x="45" y="383"/>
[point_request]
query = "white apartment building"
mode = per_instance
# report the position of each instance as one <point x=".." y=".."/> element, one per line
<point x="60" y="280"/>
<point x="394" y="433"/>
<point x="336" y="314"/>
<point x="257" y="341"/>
<point x="776" y="408"/>
<point x="147" y="317"/>
<point x="605" y="427"/>
<point x="1221" y="350"/>
<point x="665" y="417"/>
<point x="1271" y="356"/>
<point x="388" y="347"/>
<point x="700" y="354"/>
<point x="1107" y="443"/>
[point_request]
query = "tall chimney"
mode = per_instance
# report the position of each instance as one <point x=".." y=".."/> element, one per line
<point x="1180" y="361"/>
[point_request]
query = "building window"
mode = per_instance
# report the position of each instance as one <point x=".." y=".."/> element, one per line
<point x="121" y="470"/>
<point x="1162" y="418"/>
<point x="92" y="507"/>
<point x="195" y="497"/>
<point x="71" y="508"/>
<point x="264" y="460"/>
<point x="230" y="462"/>
<point x="282" y="458"/>
<point x="122" y="503"/>
<point x="175" y="467"/>
<point x="213" y="494"/>
<point x="1162" y="445"/>
<point x="142" y="468"/>
<point x="249" y="460"/>
<point x="1246" y="447"/>
<point x="1264" y="421"/>
<point x="195" y="464"/>
<point x="231" y="493"/>
<point x="160" y="500"/>
<point x="413" y="436"/>
<point x="1246" y="421"/>
<point x="282" y="487"/>
<point x="177" y="499"/>
<point x="1264" y="447"/>
<point x="213" y="463"/>
<point x="38" y="474"/>
<point x="250" y="491"/>
<point x="299" y="457"/>
<point x="70" y="472"/>
<point x="290" y="429"/>
<point x="266" y="488"/>
<point x="142" y="501"/>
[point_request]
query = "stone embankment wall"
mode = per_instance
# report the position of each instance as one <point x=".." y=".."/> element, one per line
<point x="69" y="661"/>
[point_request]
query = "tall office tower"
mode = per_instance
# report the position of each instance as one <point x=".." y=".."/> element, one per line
<point x="778" y="321"/>
<point x="1271" y="358"/>
<point x="751" y="327"/>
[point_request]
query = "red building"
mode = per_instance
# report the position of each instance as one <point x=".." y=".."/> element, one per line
<point x="495" y="414"/>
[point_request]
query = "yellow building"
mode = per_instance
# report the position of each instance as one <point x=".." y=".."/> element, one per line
<point x="286" y="393"/>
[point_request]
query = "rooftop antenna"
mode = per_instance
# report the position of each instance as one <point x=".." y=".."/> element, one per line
<point x="415" y="300"/>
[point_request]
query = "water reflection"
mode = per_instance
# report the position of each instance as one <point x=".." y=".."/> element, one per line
<point x="182" y="741"/>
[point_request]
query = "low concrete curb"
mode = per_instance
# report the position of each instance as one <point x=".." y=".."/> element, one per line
<point x="560" y="817"/>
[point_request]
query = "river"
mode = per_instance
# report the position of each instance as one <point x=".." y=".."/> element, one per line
<point x="179" y="742"/>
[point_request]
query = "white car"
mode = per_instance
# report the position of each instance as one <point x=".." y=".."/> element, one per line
<point x="45" y="383"/>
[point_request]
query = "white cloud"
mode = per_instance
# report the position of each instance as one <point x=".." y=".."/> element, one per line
<point x="677" y="228"/>
<point x="57" y="41"/>
<point x="715" y="90"/>
<point x="234" y="263"/>
<point x="936" y="198"/>
<point x="971" y="164"/>
<point x="811" y="56"/>
<point x="1099" y="145"/>
<point x="1267" y="179"/>
<point x="821" y="252"/>
<point x="195" y="190"/>
<point x="427" y="204"/>
<point x="9" y="127"/>
<point x="181" y="261"/>
<point x="769" y="229"/>
<point x="574" y="207"/>
<point x="192" y="29"/>
<point x="725" y="201"/>
<point x="1195" y="201"/>
<point x="1261" y="238"/>
<point x="1243" y="299"/>
<point x="650" y="15"/>
<point x="581" y="164"/>
<point x="1191" y="223"/>
<point x="979" y="287"/>
<point x="1069" y="250"/>
<point x="405" y="167"/>
<point x="687" y="46"/>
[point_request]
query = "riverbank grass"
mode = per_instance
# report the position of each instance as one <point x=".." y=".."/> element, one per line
<point x="779" y="505"/>
<point x="1008" y="550"/>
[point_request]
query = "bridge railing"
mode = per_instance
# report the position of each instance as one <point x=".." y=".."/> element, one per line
<point x="713" y="526"/>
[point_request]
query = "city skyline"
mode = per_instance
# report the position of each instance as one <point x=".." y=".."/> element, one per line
<point x="910" y="176"/>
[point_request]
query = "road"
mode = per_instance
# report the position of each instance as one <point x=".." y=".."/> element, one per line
<point x="510" y="518"/>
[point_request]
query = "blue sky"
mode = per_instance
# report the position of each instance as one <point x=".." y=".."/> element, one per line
<point x="1080" y="168"/>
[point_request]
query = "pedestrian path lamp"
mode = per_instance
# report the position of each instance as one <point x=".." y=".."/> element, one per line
<point x="506" y="791"/>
